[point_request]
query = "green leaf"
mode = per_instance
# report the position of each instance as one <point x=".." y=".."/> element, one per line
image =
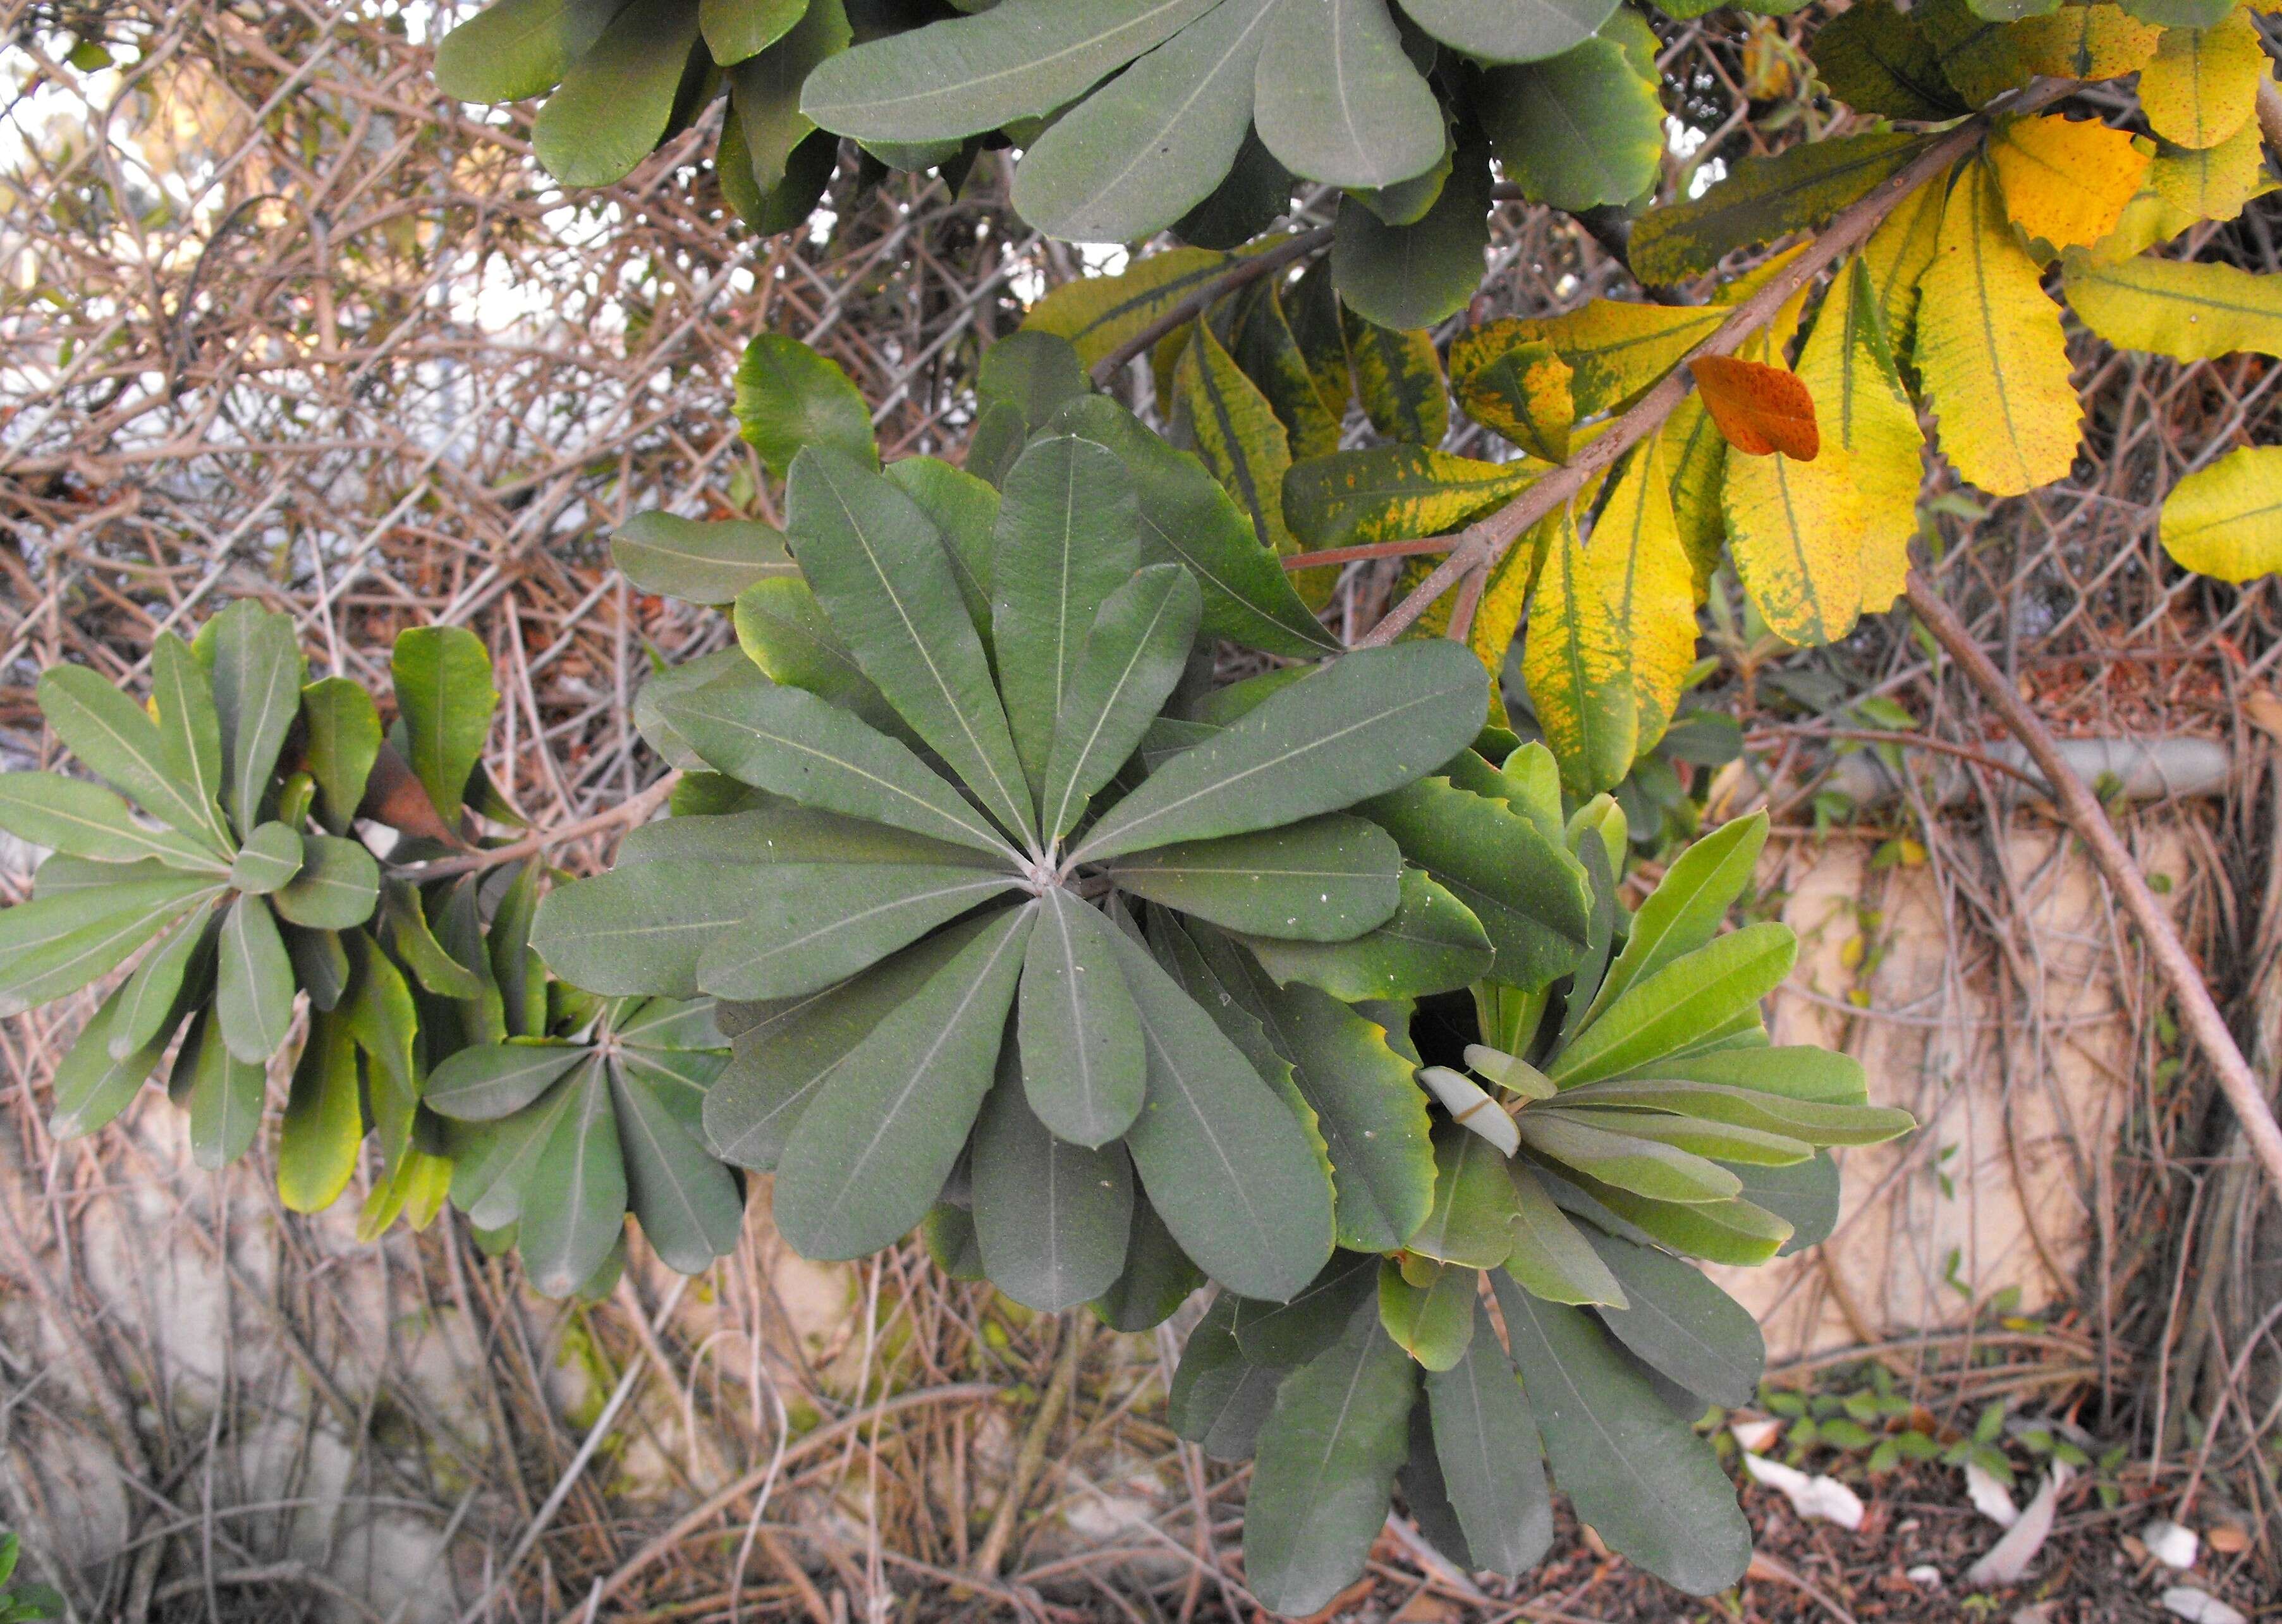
<point x="1021" y="58"/>
<point x="91" y="1086"/>
<point x="643" y="928"/>
<point x="1523" y="31"/>
<point x="1742" y="1144"/>
<point x="1647" y="1484"/>
<point x="1528" y="893"/>
<point x="1261" y="340"/>
<point x="1358" y="727"/>
<point x="1432" y="944"/>
<point x="966" y="509"/>
<point x="812" y="924"/>
<point x="794" y="744"/>
<point x="616" y="99"/>
<point x="694" y="562"/>
<point x="1763" y="198"/>
<point x="1746" y="1107"/>
<point x="1133" y="656"/>
<point x="1371" y="1114"/>
<point x="148" y="1006"/>
<point x="878" y="566"/>
<point x="318" y="1141"/>
<point x="1141" y="151"/>
<point x="1158" y="1279"/>
<point x="516" y="49"/>
<point x="872" y="1150"/>
<point x="1290" y="1334"/>
<point x="789" y="398"/>
<point x="1486" y="1440"/>
<point x="1433" y="1322"/>
<point x="253" y="985"/>
<point x="1802" y="1199"/>
<point x="336" y="887"/>
<point x="1084" y="1064"/>
<point x="2181" y="13"/>
<point x="343" y="740"/>
<point x="1681" y="1324"/>
<point x="1228" y="1168"/>
<point x="226" y="1091"/>
<point x="1338" y="101"/>
<point x="1739" y="1231"/>
<point x="1878" y="61"/>
<point x="84" y="819"/>
<point x="1398" y="378"/>
<point x="1472" y="1223"/>
<point x="1625" y="1160"/>
<point x="736" y="29"/>
<point x="58" y="943"/>
<point x="1577" y="131"/>
<point x="1980" y="58"/>
<point x="257" y="692"/>
<point x="1324" y="1470"/>
<point x="1052" y="1217"/>
<point x="1326" y="880"/>
<point x="782" y="152"/>
<point x="494" y="1080"/>
<point x="1255" y="194"/>
<point x="1066" y="541"/>
<point x="270" y="856"/>
<point x="1389" y="493"/>
<point x="1551" y="1258"/>
<point x="1685" y="911"/>
<point x="1695" y="994"/>
<point x="111" y="734"/>
<point x="689" y="1205"/>
<point x="785" y="834"/>
<point x="1219" y="1398"/>
<point x="189" y="729"/>
<point x="1099" y="315"/>
<point x="1421" y="274"/>
<point x="573" y="1206"/>
<point x="1188" y="518"/>
<point x="1034" y="371"/>
<point x="443" y="691"/>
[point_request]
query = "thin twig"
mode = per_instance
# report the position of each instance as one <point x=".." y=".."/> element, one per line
<point x="627" y="813"/>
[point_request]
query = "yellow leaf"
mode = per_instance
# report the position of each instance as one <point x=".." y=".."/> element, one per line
<point x="2185" y="311"/>
<point x="2226" y="521"/>
<point x="1850" y="369"/>
<point x="1262" y="344"/>
<point x="1235" y="432"/>
<point x="1389" y="493"/>
<point x="1615" y="349"/>
<point x="2147" y="220"/>
<point x="1900" y="252"/>
<point x="2210" y="183"/>
<point x="1524" y="395"/>
<point x="2203" y="82"/>
<point x="2065" y="180"/>
<point x="1794" y="530"/>
<point x="1399" y="379"/>
<point x="2085" y="42"/>
<point x="1699" y="460"/>
<point x="1611" y="629"/>
<point x="1990" y="350"/>
<point x="1097" y="314"/>
<point x="1498" y="616"/>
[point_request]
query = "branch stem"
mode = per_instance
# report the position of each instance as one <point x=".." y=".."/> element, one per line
<point x="1242" y="273"/>
<point x="625" y="814"/>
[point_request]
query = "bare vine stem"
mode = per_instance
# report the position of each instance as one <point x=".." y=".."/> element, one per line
<point x="2198" y="1010"/>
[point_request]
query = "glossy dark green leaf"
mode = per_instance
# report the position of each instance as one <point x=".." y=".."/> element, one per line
<point x="225" y="1092"/>
<point x="616" y="100"/>
<point x="257" y="691"/>
<point x="412" y="937"/>
<point x="877" y="564"/>
<point x="1035" y="372"/>
<point x="444" y="692"/>
<point x="1804" y="1196"/>
<point x="91" y="1086"/>
<point x="515" y="49"/>
<point x="270" y="856"/>
<point x="1082" y="1062"/>
<point x="1641" y="1477"/>
<point x="1360" y="725"/>
<point x="1693" y="994"/>
<point x="1432" y="944"/>
<point x="1520" y="31"/>
<point x="149" y="1002"/>
<point x="253" y="983"/>
<point x="687" y="1204"/>
<point x="1227" y="1166"/>
<point x="1219" y="1398"/>
<point x="189" y="728"/>
<point x="71" y="815"/>
<point x="1681" y="1324"/>
<point x="336" y="886"/>
<point x="1263" y="343"/>
<point x="1141" y="151"/>
<point x="1578" y="130"/>
<point x="783" y="155"/>
<point x="789" y="397"/>
<point x="1052" y="1217"/>
<point x="573" y="1202"/>
<point x="1432" y="1322"/>
<point x="1421" y="274"/>
<point x="1878" y="61"/>
<point x="1550" y="1257"/>
<point x="1324" y="1471"/>
<point x="1290" y="1334"/>
<point x="1763" y="198"/>
<point x="323" y="1126"/>
<point x="965" y="511"/>
<point x="1486" y="1440"/>
<point x="1157" y="1275"/>
<point x="111" y="735"/>
<point x="643" y="929"/>
<point x="1338" y="100"/>
<point x="813" y="924"/>
<point x="873" y="1149"/>
<point x="1066" y="539"/>
<point x="788" y="833"/>
<point x="494" y="1080"/>
<point x="343" y="740"/>
<point x="58" y="943"/>
<point x="1021" y="58"/>
<point x="736" y="29"/>
<point x="696" y="561"/>
<point x="1328" y="879"/>
<point x="1134" y="655"/>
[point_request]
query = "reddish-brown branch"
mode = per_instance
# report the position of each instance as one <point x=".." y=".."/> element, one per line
<point x="1409" y="549"/>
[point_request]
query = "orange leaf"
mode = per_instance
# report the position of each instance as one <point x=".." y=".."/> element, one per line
<point x="1759" y="409"/>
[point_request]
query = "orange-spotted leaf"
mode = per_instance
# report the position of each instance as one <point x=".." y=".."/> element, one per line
<point x="1761" y="409"/>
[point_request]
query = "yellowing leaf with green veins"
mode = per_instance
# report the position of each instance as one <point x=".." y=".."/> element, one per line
<point x="1614" y="348"/>
<point x="2226" y="521"/>
<point x="1794" y="531"/>
<point x="1524" y="395"/>
<point x="2186" y="311"/>
<point x="1391" y="492"/>
<point x="1990" y="350"/>
<point x="1505" y="596"/>
<point x="2148" y="220"/>
<point x="1263" y="345"/>
<point x="2066" y="180"/>
<point x="1097" y="314"/>
<point x="1764" y="198"/>
<point x="1900" y="252"/>
<point x="2203" y="83"/>
<point x="1698" y="458"/>
<point x="1398" y="378"/>
<point x="2085" y="42"/>
<point x="1611" y="629"/>
<point x="1850" y="369"/>
<point x="2210" y="183"/>
<point x="1235" y="432"/>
